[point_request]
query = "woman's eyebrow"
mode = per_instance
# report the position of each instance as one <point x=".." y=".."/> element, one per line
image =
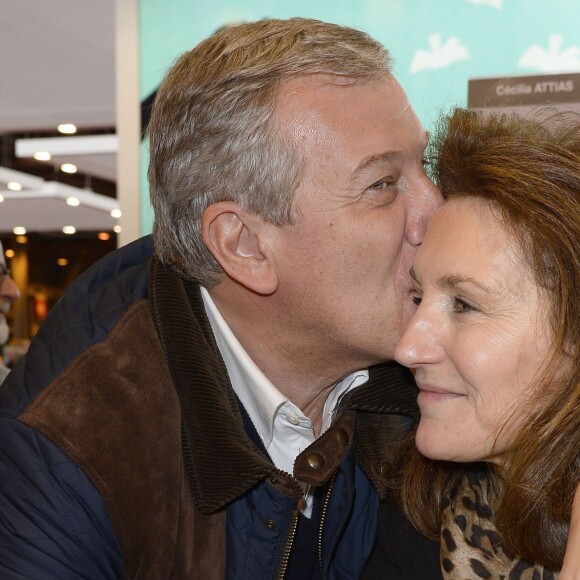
<point x="452" y="280"/>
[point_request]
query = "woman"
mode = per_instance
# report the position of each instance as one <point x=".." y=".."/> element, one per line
<point x="494" y="346"/>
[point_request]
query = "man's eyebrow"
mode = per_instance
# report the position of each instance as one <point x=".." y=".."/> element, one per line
<point x="452" y="280"/>
<point x="371" y="160"/>
<point x="385" y="157"/>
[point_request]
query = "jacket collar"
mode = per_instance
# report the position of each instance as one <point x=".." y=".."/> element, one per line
<point x="220" y="461"/>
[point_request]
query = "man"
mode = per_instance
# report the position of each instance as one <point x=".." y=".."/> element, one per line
<point x="207" y="412"/>
<point x="8" y="294"/>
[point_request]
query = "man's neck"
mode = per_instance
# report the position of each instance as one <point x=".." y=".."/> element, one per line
<point x="284" y="356"/>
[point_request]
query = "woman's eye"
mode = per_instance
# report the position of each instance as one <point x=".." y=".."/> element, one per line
<point x="462" y="306"/>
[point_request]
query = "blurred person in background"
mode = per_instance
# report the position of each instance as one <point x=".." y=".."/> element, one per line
<point x="8" y="294"/>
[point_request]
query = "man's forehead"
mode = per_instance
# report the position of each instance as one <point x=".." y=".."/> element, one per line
<point x="318" y="83"/>
<point x="301" y="82"/>
<point x="335" y="101"/>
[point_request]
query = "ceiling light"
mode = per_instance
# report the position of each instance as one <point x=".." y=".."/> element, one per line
<point x="69" y="230"/>
<point x="117" y="229"/>
<point x="73" y="201"/>
<point x="42" y="156"/>
<point x="9" y="253"/>
<point x="104" y="236"/>
<point x="116" y="213"/>
<point x="14" y="186"/>
<point x="19" y="231"/>
<point x="69" y="145"/>
<point x="68" y="168"/>
<point x="67" y="129"/>
<point x="62" y="262"/>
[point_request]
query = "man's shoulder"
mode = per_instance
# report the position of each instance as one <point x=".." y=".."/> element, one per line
<point x="90" y="403"/>
<point x="84" y="317"/>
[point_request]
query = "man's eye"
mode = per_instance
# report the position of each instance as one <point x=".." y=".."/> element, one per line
<point x="383" y="184"/>
<point x="417" y="299"/>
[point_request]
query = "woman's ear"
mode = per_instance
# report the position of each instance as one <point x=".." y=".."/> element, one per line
<point x="238" y="240"/>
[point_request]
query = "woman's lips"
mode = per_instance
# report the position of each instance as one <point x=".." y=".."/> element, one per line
<point x="432" y="393"/>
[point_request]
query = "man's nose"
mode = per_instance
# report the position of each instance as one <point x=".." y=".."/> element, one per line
<point x="422" y="208"/>
<point x="8" y="290"/>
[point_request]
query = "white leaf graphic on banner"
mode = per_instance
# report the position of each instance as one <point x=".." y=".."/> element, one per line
<point x="554" y="59"/>
<point x="493" y="3"/>
<point x="439" y="55"/>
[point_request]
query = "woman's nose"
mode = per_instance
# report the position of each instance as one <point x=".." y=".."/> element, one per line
<point x="421" y="342"/>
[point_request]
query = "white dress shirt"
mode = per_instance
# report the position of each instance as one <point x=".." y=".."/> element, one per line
<point x="283" y="428"/>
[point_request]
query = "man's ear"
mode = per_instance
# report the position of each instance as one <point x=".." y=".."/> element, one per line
<point x="238" y="240"/>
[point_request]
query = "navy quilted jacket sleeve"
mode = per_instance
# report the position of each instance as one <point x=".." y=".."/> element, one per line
<point x="53" y="523"/>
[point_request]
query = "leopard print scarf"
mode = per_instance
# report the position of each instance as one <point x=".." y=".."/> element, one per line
<point x="471" y="547"/>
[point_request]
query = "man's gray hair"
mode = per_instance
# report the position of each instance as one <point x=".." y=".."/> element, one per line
<point x="213" y="135"/>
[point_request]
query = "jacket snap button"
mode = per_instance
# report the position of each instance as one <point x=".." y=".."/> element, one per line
<point x="270" y="524"/>
<point x="342" y="436"/>
<point x="316" y="461"/>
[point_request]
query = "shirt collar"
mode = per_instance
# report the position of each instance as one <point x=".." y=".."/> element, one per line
<point x="261" y="399"/>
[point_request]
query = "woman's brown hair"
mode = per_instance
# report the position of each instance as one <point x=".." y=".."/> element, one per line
<point x="529" y="170"/>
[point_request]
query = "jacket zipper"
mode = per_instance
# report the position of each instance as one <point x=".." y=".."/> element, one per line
<point x="323" y="515"/>
<point x="289" y="543"/>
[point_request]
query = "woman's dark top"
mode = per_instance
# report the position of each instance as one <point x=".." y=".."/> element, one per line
<point x="401" y="553"/>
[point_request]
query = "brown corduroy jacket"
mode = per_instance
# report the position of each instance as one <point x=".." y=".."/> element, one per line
<point x="150" y="416"/>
